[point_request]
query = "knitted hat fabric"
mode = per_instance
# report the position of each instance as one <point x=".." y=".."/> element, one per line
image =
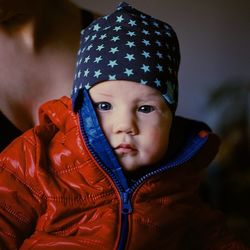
<point x="129" y="45"/>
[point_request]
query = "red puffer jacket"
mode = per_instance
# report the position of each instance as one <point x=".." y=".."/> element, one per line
<point x="54" y="195"/>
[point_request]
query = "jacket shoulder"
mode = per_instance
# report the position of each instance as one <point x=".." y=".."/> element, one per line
<point x="24" y="155"/>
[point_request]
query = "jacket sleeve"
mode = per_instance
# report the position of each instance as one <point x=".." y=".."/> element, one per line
<point x="20" y="198"/>
<point x="211" y="225"/>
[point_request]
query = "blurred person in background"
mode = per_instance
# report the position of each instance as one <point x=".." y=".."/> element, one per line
<point x="35" y="37"/>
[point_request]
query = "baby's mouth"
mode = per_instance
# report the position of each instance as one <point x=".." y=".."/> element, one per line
<point x="124" y="148"/>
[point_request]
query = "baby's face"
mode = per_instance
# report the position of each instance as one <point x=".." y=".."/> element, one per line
<point x="136" y="121"/>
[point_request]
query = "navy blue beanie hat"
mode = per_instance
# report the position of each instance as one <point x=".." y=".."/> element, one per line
<point x="128" y="45"/>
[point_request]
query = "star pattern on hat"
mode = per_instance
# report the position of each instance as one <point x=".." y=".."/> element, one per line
<point x="113" y="50"/>
<point x="86" y="72"/>
<point x="115" y="38"/>
<point x="145" y="68"/>
<point x="97" y="73"/>
<point x="130" y="44"/>
<point x="130" y="57"/>
<point x="128" y="72"/>
<point x="146" y="54"/>
<point x="121" y="46"/>
<point x="119" y="19"/>
<point x="112" y="63"/>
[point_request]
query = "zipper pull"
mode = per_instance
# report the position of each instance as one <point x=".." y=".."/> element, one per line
<point x="126" y="203"/>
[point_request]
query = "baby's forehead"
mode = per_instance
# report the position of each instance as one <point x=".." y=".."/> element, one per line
<point x="126" y="89"/>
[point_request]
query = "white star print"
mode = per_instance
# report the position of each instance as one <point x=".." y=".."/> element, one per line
<point x="166" y="26"/>
<point x="155" y="24"/>
<point x="96" y="27"/>
<point x="145" y="54"/>
<point x="89" y="47"/>
<point x="87" y="86"/>
<point x="112" y="63"/>
<point x="132" y="23"/>
<point x="146" y="42"/>
<point x="86" y="59"/>
<point x="157" y="82"/>
<point x="103" y="36"/>
<point x="112" y="77"/>
<point x="130" y="57"/>
<point x="143" y="82"/>
<point x="115" y="38"/>
<point x="86" y="72"/>
<point x="93" y="37"/>
<point x="159" y="67"/>
<point x="100" y="47"/>
<point x="130" y="44"/>
<point x="158" y="43"/>
<point x="119" y="19"/>
<point x="131" y="33"/>
<point x="159" y="54"/>
<point x="107" y="27"/>
<point x="128" y="72"/>
<point x="117" y="28"/>
<point x="168" y="34"/>
<point x="97" y="73"/>
<point x="98" y="59"/>
<point x="145" y="32"/>
<point x="113" y="50"/>
<point x="145" y="68"/>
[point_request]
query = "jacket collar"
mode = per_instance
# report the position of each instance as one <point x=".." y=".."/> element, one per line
<point x="187" y="138"/>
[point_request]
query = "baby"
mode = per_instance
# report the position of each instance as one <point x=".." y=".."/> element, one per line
<point x="113" y="168"/>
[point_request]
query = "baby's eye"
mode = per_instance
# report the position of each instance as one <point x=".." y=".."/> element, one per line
<point x="103" y="106"/>
<point x="146" y="109"/>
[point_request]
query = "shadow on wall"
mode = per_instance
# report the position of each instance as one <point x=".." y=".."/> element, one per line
<point x="227" y="182"/>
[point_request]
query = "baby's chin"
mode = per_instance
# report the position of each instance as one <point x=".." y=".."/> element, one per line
<point x="131" y="166"/>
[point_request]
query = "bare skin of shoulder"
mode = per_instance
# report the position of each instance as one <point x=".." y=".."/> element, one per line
<point x="38" y="45"/>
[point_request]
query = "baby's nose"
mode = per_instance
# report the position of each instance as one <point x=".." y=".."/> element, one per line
<point x="125" y="124"/>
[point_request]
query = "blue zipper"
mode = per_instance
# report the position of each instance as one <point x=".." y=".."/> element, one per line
<point x="124" y="193"/>
<point x="126" y="197"/>
<point x="199" y="142"/>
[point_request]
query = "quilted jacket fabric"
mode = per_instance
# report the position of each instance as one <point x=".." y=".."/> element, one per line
<point x="55" y="195"/>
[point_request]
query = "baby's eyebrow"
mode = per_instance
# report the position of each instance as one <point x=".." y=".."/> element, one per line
<point x="104" y="94"/>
